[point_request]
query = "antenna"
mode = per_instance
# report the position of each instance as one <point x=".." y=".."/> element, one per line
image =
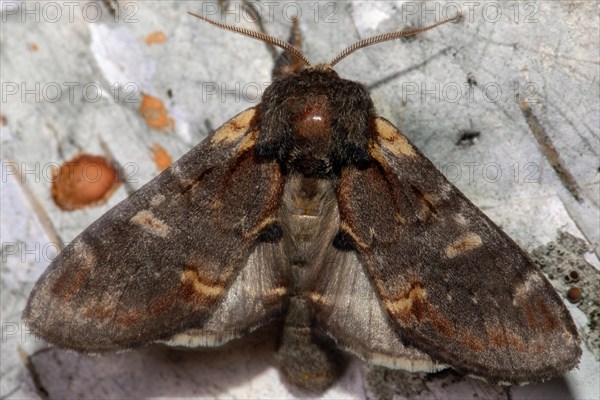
<point x="385" y="37"/>
<point x="257" y="35"/>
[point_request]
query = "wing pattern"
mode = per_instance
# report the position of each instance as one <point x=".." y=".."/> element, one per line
<point x="453" y="284"/>
<point x="159" y="263"/>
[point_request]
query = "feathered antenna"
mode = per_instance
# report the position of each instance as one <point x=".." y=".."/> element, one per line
<point x="349" y="50"/>
<point x="259" y="36"/>
<point x="384" y="38"/>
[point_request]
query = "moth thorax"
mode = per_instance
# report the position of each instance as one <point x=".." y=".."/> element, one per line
<point x="314" y="121"/>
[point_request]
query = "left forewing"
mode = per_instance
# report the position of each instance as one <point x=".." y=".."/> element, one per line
<point x="454" y="285"/>
<point x="161" y="262"/>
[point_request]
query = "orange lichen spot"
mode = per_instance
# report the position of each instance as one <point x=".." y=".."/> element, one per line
<point x="161" y="157"/>
<point x="33" y="46"/>
<point x="3" y="120"/>
<point x="85" y="180"/>
<point x="153" y="110"/>
<point x="157" y="37"/>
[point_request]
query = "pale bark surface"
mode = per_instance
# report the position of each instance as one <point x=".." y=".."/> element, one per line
<point x="530" y="165"/>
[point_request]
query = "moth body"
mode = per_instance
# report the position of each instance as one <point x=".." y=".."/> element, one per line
<point x="311" y="211"/>
<point x="307" y="208"/>
<point x="307" y="212"/>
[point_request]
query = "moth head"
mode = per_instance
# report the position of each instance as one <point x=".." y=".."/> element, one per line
<point x="291" y="49"/>
<point x="310" y="120"/>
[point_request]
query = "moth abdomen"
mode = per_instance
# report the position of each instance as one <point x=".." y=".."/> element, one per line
<point x="307" y="359"/>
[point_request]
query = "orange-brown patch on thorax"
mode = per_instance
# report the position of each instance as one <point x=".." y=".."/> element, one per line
<point x="314" y="121"/>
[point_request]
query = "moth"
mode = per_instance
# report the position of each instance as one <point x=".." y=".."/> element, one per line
<point x="309" y="210"/>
